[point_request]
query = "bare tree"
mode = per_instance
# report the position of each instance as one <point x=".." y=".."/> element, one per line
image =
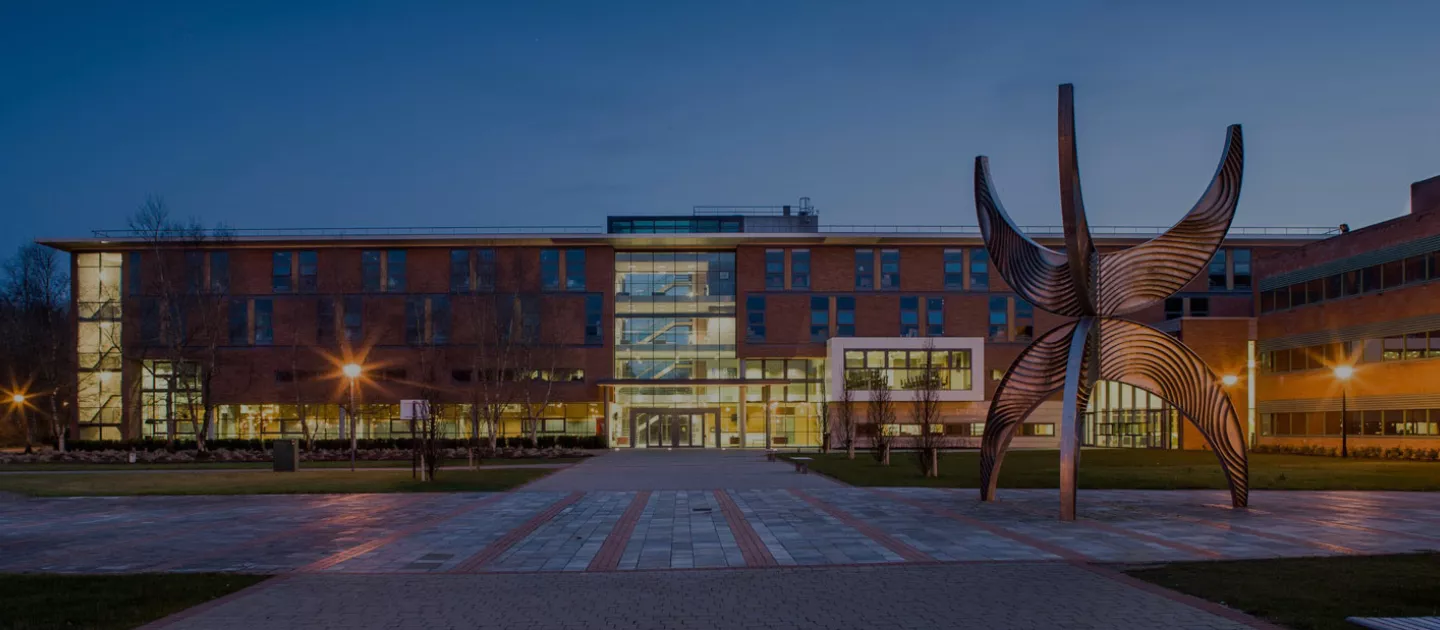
<point x="425" y="423"/>
<point x="537" y="374"/>
<point x="880" y="412"/>
<point x="36" y="341"/>
<point x="827" y="415"/>
<point x="492" y="324"/>
<point x="191" y="312"/>
<point x="846" y="414"/>
<point x="925" y="412"/>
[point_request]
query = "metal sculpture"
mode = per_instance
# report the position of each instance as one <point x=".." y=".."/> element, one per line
<point x="1096" y="288"/>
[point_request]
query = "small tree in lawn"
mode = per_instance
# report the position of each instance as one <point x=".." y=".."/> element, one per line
<point x="425" y="420"/>
<point x="36" y="339"/>
<point x="925" y="411"/>
<point x="827" y="415"/>
<point x="880" y="412"/>
<point x="845" y="413"/>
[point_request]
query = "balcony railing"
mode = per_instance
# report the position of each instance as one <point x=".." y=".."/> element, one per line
<point x="970" y="230"/>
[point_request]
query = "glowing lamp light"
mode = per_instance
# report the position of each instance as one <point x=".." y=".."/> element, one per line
<point x="1344" y="372"/>
<point x="351" y="370"/>
<point x="18" y="399"/>
<point x="1229" y="379"/>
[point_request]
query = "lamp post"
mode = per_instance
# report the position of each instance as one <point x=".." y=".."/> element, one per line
<point x="1343" y="374"/>
<point x="352" y="371"/>
<point x="18" y="400"/>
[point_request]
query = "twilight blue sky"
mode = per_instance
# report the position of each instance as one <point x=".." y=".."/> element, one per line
<point x="319" y="113"/>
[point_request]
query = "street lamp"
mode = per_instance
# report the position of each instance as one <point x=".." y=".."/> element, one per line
<point x="1230" y="380"/>
<point x="352" y="371"/>
<point x="18" y="400"/>
<point x="1343" y="374"/>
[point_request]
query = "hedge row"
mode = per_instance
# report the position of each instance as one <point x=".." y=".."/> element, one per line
<point x="152" y="444"/>
<point x="1365" y="452"/>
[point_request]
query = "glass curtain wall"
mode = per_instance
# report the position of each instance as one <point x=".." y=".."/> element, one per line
<point x="1124" y="416"/>
<point x="97" y="344"/>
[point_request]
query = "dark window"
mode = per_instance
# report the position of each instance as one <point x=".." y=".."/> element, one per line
<point x="979" y="270"/>
<point x="1332" y="287"/>
<point x="1392" y="274"/>
<point x="1298" y="295"/>
<point x="999" y="319"/>
<point x="1282" y="298"/>
<point x="935" y="317"/>
<point x="370" y="270"/>
<point x="264" y="318"/>
<point x="325" y="320"/>
<point x="239" y="323"/>
<point x="594" y="313"/>
<point x="133" y="268"/>
<point x="1315" y="289"/>
<point x="415" y="320"/>
<point x="954" y="270"/>
<point x="1350" y="283"/>
<point x="864" y="269"/>
<point x="280" y="272"/>
<point x="354" y="318"/>
<point x="459" y="270"/>
<point x="1217" y="271"/>
<point x="1174" y="308"/>
<point x="530" y="318"/>
<point x="1370" y="279"/>
<point x="1267" y="301"/>
<point x="485" y="269"/>
<point x="1024" y="320"/>
<point x="774" y="269"/>
<point x="309" y="271"/>
<point x="461" y="376"/>
<point x="755" y="319"/>
<point x="819" y="319"/>
<point x="889" y="269"/>
<point x="1199" y="307"/>
<point x="150" y="321"/>
<point x="1240" y="261"/>
<point x="440" y="320"/>
<point x="909" y="316"/>
<point x="194" y="272"/>
<point x="284" y="376"/>
<point x="1434" y="350"/>
<point x="800" y="269"/>
<point x="219" y="272"/>
<point x="574" y="270"/>
<point x="1416" y="269"/>
<point x="1371" y="422"/>
<point x="844" y="316"/>
<point x="395" y="271"/>
<point x="549" y="270"/>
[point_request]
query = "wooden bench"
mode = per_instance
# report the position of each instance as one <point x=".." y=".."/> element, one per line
<point x="802" y="464"/>
<point x="1396" y="623"/>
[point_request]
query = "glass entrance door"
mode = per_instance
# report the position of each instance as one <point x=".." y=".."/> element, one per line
<point x="673" y="429"/>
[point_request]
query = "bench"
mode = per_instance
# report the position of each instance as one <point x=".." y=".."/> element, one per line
<point x="802" y="464"/>
<point x="770" y="454"/>
<point x="1396" y="623"/>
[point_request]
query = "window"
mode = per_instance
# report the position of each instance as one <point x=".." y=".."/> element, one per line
<point x="370" y="270"/>
<point x="1217" y="271"/>
<point x="459" y="270"/>
<point x="485" y="269"/>
<point x="935" y="317"/>
<point x="239" y="323"/>
<point x="309" y="271"/>
<point x="755" y="319"/>
<point x="1392" y="274"/>
<point x="549" y="270"/>
<point x="800" y="269"/>
<point x="427" y="320"/>
<point x="1240" y="261"/>
<point x="354" y="318"/>
<point x="819" y="319"/>
<point x="264" y="319"/>
<point x="325" y="320"/>
<point x="280" y="272"/>
<point x="194" y="272"/>
<point x="909" y="316"/>
<point x="133" y="268"/>
<point x="1349" y="283"/>
<point x="594" y="312"/>
<point x="999" y="319"/>
<point x="251" y="322"/>
<point x="219" y="272"/>
<point x="1416" y="269"/>
<point x="864" y="269"/>
<point x="1332" y="287"/>
<point x="774" y="269"/>
<point x="574" y="270"/>
<point x="1370" y="279"/>
<point x="889" y="269"/>
<point x="1174" y="308"/>
<point x="1199" y="307"/>
<point x="845" y="316"/>
<point x="1037" y="429"/>
<point x="979" y="270"/>
<point x="395" y="271"/>
<point x="954" y="270"/>
<point x="1024" y="320"/>
<point x="906" y="369"/>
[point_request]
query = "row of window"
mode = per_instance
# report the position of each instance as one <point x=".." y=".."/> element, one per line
<point x="867" y="263"/>
<point x="913" y="311"/>
<point x="1388" y="422"/>
<point x="1395" y="273"/>
<point x="1407" y="347"/>
<point x="1229" y="269"/>
<point x="908" y="369"/>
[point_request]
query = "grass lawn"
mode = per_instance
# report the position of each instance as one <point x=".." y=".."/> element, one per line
<point x="303" y="482"/>
<point x="1137" y="469"/>
<point x="106" y="602"/>
<point x="383" y="463"/>
<point x="1316" y="593"/>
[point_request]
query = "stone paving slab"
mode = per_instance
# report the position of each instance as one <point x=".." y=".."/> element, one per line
<point x="658" y="469"/>
<point x="908" y="597"/>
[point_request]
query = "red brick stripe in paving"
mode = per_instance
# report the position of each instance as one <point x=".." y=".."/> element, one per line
<point x="870" y="531"/>
<point x="367" y="547"/>
<point x="494" y="549"/>
<point x="751" y="547"/>
<point x="1068" y="554"/>
<point x="608" y="558"/>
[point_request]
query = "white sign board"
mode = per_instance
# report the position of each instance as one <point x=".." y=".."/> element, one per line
<point x="414" y="409"/>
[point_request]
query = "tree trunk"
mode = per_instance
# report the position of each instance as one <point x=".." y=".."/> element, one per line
<point x="934" y="455"/>
<point x="25" y="422"/>
<point x="204" y="431"/>
<point x="885" y="454"/>
<point x="850" y="448"/>
<point x="60" y="425"/>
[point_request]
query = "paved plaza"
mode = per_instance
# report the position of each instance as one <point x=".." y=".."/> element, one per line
<point x="782" y="547"/>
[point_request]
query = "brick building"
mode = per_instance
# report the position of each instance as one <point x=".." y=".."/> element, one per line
<point x="1367" y="300"/>
<point x="723" y="328"/>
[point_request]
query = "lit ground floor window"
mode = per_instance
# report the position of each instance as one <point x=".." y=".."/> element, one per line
<point x="730" y="416"/>
<point x="382" y="421"/>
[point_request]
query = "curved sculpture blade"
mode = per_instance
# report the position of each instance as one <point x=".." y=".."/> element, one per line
<point x="1141" y="356"/>
<point x="1035" y="375"/>
<point x="1039" y="274"/>
<point x="1139" y="276"/>
<point x="1079" y="245"/>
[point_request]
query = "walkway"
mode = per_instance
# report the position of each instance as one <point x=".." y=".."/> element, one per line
<point x="657" y="469"/>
